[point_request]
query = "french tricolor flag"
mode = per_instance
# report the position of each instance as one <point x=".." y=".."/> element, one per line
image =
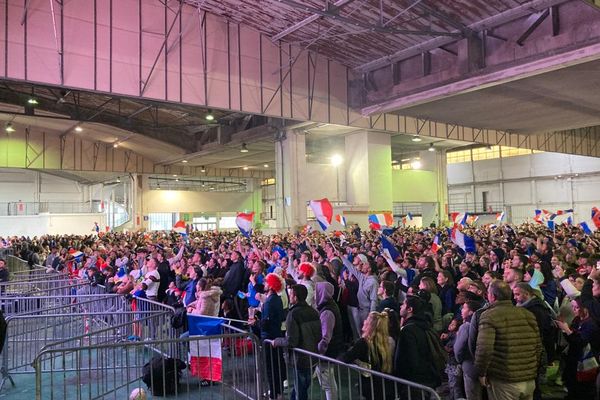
<point x="323" y="211"/>
<point x="244" y="223"/>
<point x="205" y="354"/>
<point x="500" y="216"/>
<point x="458" y="218"/>
<point x="77" y="255"/>
<point x="341" y="219"/>
<point x="463" y="241"/>
<point x="435" y="246"/>
<point x="588" y="227"/>
<point x="179" y="227"/>
<point x="378" y="221"/>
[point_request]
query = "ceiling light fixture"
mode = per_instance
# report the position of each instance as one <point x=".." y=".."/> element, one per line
<point x="118" y="179"/>
<point x="266" y="165"/>
<point x="245" y="168"/>
<point x="244" y="148"/>
<point x="336" y="160"/>
<point x="116" y="144"/>
<point x="33" y="101"/>
<point x="416" y="164"/>
<point x="431" y="148"/>
<point x="78" y="129"/>
<point x="175" y="175"/>
<point x="209" y="116"/>
<point x="416" y="139"/>
<point x="203" y="185"/>
<point x="202" y="169"/>
<point x="184" y="161"/>
<point x="177" y="180"/>
<point x="9" y="128"/>
<point x="394" y="161"/>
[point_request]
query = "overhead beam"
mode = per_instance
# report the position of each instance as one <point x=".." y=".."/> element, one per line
<point x="538" y="21"/>
<point x="237" y="139"/>
<point x="360" y="24"/>
<point x="486" y="24"/>
<point x="536" y="67"/>
<point x="309" y="20"/>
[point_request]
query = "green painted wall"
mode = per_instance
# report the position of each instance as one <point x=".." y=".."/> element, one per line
<point x="414" y="186"/>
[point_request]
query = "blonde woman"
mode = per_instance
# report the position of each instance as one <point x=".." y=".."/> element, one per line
<point x="373" y="350"/>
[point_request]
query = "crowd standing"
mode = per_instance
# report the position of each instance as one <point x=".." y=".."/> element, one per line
<point x="490" y="322"/>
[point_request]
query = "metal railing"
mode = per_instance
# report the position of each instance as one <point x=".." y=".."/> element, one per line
<point x="35" y="208"/>
<point x="477" y="207"/>
<point x="334" y="379"/>
<point x="114" y="370"/>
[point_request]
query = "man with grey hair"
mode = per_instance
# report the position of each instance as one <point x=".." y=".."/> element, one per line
<point x="508" y="347"/>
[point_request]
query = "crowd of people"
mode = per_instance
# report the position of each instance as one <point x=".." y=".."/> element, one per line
<point x="490" y="322"/>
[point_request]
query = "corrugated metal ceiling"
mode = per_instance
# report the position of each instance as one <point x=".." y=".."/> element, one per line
<point x="359" y="30"/>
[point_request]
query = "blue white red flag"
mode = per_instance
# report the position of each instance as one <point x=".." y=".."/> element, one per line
<point x="244" y="223"/>
<point x="323" y="211"/>
<point x="179" y="227"/>
<point x="435" y="246"/>
<point x="388" y="248"/>
<point x="205" y="354"/>
<point x="463" y="241"/>
<point x="379" y="221"/>
<point x="341" y="219"/>
<point x="588" y="227"/>
<point x="458" y="218"/>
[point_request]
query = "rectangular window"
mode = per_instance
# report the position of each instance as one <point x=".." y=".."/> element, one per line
<point x="161" y="221"/>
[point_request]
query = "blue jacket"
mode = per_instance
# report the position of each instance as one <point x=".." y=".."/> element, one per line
<point x="271" y="318"/>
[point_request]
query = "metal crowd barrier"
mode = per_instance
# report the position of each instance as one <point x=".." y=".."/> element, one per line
<point x="37" y="273"/>
<point x="21" y="305"/>
<point x="27" y="335"/>
<point x="17" y="265"/>
<point x="324" y="377"/>
<point x="114" y="370"/>
<point x="43" y="288"/>
<point x="5" y="252"/>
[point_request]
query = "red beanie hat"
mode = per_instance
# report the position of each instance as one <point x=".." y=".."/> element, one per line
<point x="307" y="270"/>
<point x="274" y="282"/>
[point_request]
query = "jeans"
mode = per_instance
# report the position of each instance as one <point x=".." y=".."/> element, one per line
<point x="276" y="369"/>
<point x="326" y="376"/>
<point x="354" y="317"/>
<point x="303" y="379"/>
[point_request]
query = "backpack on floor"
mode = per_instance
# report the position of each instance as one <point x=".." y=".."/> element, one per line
<point x="162" y="375"/>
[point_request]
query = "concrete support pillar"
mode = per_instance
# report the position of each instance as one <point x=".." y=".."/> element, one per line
<point x="368" y="173"/>
<point x="437" y="211"/>
<point x="290" y="167"/>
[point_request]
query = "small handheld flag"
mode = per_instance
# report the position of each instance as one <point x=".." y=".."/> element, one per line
<point x="388" y="248"/>
<point x="244" y="223"/>
<point x="435" y="246"/>
<point x="500" y="216"/>
<point x="463" y="241"/>
<point x="179" y="227"/>
<point x="378" y="221"/>
<point x="341" y="219"/>
<point x="323" y="211"/>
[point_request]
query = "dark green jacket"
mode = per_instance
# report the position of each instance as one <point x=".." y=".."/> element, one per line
<point x="303" y="331"/>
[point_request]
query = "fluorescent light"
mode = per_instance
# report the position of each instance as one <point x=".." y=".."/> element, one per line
<point x="394" y="161"/>
<point x="336" y="160"/>
<point x="78" y="129"/>
<point x="416" y="139"/>
<point x="184" y="161"/>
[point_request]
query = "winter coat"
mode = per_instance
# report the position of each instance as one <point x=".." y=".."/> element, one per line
<point x="208" y="302"/>
<point x="303" y="331"/>
<point x="462" y="353"/>
<point x="412" y="360"/>
<point x="271" y="318"/>
<point x="234" y="279"/>
<point x="508" y="343"/>
<point x="543" y="316"/>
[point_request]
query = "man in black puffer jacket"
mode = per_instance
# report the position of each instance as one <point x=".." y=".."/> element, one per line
<point x="413" y="360"/>
<point x="303" y="331"/>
